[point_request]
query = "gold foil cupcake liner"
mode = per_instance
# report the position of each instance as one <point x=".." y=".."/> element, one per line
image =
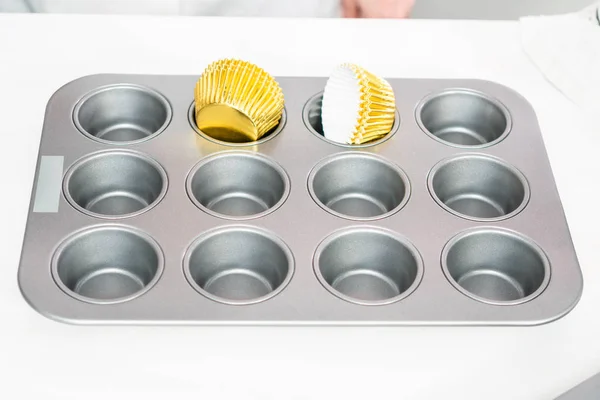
<point x="370" y="108"/>
<point x="236" y="101"/>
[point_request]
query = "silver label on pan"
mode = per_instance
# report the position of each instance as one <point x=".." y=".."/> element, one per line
<point x="47" y="191"/>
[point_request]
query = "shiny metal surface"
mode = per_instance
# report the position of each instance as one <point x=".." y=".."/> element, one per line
<point x="115" y="184"/>
<point x="239" y="265"/>
<point x="368" y="266"/>
<point x="464" y="118"/>
<point x="293" y="229"/>
<point x="358" y="186"/>
<point x="122" y="114"/>
<point x="496" y="266"/>
<point x="107" y="264"/>
<point x="238" y="185"/>
<point x="479" y="187"/>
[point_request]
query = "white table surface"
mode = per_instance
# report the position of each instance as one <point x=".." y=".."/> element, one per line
<point x="52" y="360"/>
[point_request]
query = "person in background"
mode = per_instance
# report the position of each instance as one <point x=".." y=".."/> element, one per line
<point x="271" y="8"/>
<point x="377" y="8"/>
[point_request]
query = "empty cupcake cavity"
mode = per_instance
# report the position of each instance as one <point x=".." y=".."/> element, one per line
<point x="479" y="187"/>
<point x="358" y="186"/>
<point x="122" y="114"/>
<point x="238" y="185"/>
<point x="464" y="118"/>
<point x="368" y="266"/>
<point x="238" y="265"/>
<point x="107" y="264"/>
<point x="115" y="184"/>
<point x="496" y="266"/>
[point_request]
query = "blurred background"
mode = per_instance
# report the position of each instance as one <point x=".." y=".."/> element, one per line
<point x="436" y="9"/>
<point x="493" y="9"/>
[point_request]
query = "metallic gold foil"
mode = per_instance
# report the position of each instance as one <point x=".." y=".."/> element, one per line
<point x="377" y="109"/>
<point x="237" y="101"/>
<point x="377" y="104"/>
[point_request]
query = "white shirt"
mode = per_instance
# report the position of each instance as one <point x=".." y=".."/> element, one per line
<point x="271" y="8"/>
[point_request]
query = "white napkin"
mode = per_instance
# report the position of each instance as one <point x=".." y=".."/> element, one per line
<point x="566" y="49"/>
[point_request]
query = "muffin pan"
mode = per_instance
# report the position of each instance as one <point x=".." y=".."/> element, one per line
<point x="137" y="217"/>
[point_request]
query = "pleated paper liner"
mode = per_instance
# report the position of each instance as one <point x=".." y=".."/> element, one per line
<point x="358" y="106"/>
<point x="237" y="102"/>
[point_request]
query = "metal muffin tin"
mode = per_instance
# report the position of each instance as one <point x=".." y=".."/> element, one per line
<point x="136" y="217"/>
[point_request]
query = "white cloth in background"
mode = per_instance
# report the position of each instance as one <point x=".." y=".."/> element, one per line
<point x="270" y="8"/>
<point x="566" y="49"/>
